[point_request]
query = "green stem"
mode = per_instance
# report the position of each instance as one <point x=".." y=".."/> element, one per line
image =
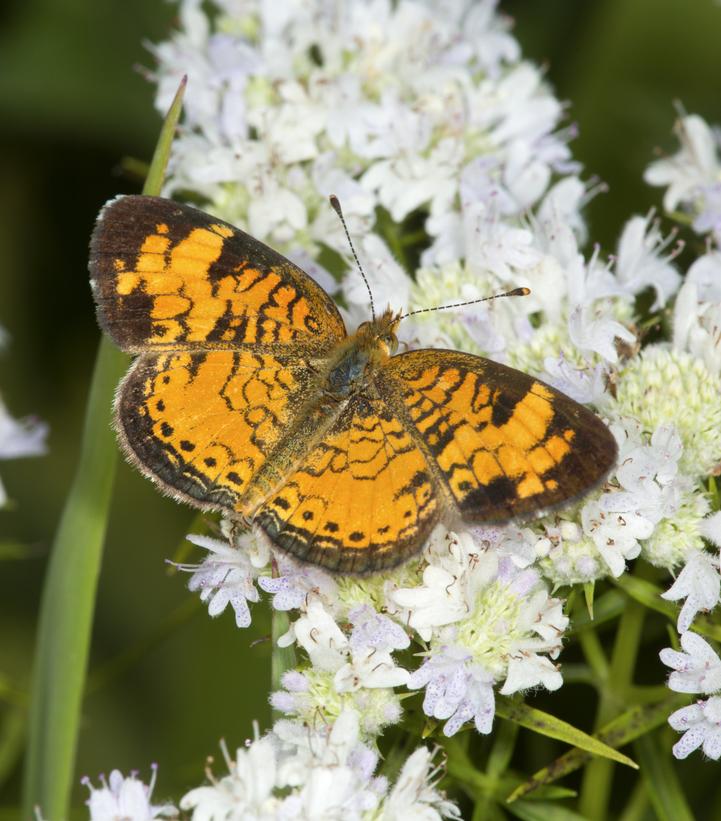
<point x="614" y="692"/>
<point x="68" y="600"/>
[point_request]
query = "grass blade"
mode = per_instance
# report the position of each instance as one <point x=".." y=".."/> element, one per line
<point x="68" y="600"/>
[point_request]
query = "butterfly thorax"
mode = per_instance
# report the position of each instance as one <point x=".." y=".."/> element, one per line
<point x="362" y="353"/>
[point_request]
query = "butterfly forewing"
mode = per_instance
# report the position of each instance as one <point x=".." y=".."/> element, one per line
<point x="505" y="445"/>
<point x="167" y="276"/>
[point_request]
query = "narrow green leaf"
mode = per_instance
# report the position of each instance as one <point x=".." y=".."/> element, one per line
<point x="68" y="599"/>
<point x="626" y="728"/>
<point x="161" y="155"/>
<point x="14" y="551"/>
<point x="589" y="590"/>
<point x="543" y="811"/>
<point x="662" y="782"/>
<point x="548" y="725"/>
<point x="649" y="595"/>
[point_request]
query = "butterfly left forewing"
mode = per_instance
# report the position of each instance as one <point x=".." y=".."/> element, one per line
<point x="505" y="445"/>
<point x="167" y="276"/>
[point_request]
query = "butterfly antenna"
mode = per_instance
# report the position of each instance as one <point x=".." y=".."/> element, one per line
<point x="514" y="292"/>
<point x="335" y="203"/>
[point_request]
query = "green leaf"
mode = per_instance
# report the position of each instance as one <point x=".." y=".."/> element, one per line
<point x="543" y="811"/>
<point x="68" y="599"/>
<point x="548" y="725"/>
<point x="589" y="590"/>
<point x="662" y="783"/>
<point x="14" y="551"/>
<point x="625" y="728"/>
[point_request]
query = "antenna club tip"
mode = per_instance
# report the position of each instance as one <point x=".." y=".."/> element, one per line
<point x="519" y="292"/>
<point x="335" y="203"/>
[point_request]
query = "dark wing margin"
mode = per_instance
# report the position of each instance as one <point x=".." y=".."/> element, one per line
<point x="167" y="276"/>
<point x="506" y="444"/>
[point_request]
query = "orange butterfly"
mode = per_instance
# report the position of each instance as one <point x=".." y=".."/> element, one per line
<point x="248" y="396"/>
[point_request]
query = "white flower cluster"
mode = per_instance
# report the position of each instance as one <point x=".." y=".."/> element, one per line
<point x="293" y="772"/>
<point x="18" y="437"/>
<point x="691" y="366"/>
<point x="121" y="797"/>
<point x="428" y="124"/>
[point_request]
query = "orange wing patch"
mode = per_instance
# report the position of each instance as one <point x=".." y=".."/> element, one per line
<point x="194" y="281"/>
<point x="505" y="444"/>
<point x="362" y="498"/>
<point x="203" y="424"/>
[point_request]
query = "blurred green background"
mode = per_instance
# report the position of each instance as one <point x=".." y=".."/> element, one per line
<point x="167" y="681"/>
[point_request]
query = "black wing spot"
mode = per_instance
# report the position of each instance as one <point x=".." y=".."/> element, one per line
<point x="502" y="409"/>
<point x="356" y="536"/>
<point x="282" y="503"/>
<point x="307" y="515"/>
<point x="160" y="405"/>
<point x="234" y="478"/>
<point x="166" y="429"/>
<point x="187" y="446"/>
<point x="331" y="527"/>
<point x="210" y="462"/>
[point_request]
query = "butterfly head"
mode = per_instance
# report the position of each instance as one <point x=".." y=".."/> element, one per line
<point x="378" y="336"/>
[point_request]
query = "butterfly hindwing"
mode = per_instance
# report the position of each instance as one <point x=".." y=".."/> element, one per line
<point x="167" y="276"/>
<point x="203" y="424"/>
<point x="362" y="499"/>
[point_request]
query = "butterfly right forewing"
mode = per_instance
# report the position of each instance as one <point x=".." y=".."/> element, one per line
<point x="504" y="445"/>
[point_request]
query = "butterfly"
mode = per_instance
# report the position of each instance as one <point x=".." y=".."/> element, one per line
<point x="248" y="396"/>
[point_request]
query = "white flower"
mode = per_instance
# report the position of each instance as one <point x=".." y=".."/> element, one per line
<point x="225" y="577"/>
<point x="414" y="795"/>
<point x="486" y="622"/>
<point x="456" y="689"/>
<point x="709" y="217"/>
<point x="639" y="263"/>
<point x="697" y="313"/>
<point x="710" y="528"/>
<point x="247" y="790"/>
<point x="318" y="634"/>
<point x="124" y="798"/>
<point x="699" y="584"/>
<point x="615" y="532"/>
<point x="296" y="584"/>
<point x="585" y="385"/>
<point x="311" y="693"/>
<point x="19" y="438"/>
<point x="697" y="669"/>
<point x="695" y="165"/>
<point x="700" y="724"/>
